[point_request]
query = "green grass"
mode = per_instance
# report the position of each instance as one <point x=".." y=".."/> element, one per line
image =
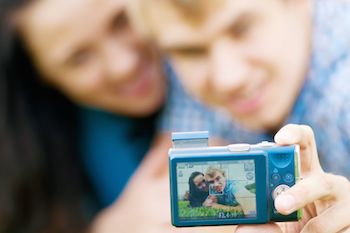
<point x="251" y="187"/>
<point x="197" y="212"/>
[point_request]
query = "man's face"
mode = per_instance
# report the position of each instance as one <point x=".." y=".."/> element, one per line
<point x="87" y="50"/>
<point x="200" y="183"/>
<point x="249" y="57"/>
<point x="218" y="181"/>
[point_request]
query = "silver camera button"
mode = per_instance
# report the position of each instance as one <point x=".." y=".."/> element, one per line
<point x="266" y="144"/>
<point x="239" y="147"/>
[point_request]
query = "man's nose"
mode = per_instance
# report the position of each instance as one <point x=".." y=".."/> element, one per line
<point x="217" y="183"/>
<point x="229" y="68"/>
<point x="120" y="61"/>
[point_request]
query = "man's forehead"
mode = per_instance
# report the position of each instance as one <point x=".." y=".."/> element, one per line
<point x="176" y="30"/>
<point x="214" y="175"/>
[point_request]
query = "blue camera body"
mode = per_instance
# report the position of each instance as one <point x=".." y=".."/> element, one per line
<point x="239" y="181"/>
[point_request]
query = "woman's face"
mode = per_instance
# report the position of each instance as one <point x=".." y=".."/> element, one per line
<point x="200" y="182"/>
<point x="87" y="50"/>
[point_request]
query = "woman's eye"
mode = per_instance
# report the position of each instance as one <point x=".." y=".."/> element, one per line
<point x="80" y="58"/>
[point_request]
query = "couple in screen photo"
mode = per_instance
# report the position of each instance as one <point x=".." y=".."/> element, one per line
<point x="214" y="190"/>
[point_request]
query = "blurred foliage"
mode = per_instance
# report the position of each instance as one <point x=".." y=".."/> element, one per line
<point x="251" y="188"/>
<point x="185" y="211"/>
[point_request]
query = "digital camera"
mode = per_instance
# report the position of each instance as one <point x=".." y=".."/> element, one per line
<point x="234" y="184"/>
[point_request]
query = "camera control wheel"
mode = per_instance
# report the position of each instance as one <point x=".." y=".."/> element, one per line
<point x="279" y="190"/>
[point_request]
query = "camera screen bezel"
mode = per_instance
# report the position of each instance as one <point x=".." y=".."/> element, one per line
<point x="260" y="160"/>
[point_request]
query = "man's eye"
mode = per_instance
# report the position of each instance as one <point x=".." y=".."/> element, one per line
<point x="242" y="27"/>
<point x="120" y="22"/>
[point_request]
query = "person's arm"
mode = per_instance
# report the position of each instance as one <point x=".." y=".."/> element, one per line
<point x="144" y="206"/>
<point x="323" y="197"/>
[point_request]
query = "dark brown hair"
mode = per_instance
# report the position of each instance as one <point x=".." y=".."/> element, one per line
<point x="41" y="186"/>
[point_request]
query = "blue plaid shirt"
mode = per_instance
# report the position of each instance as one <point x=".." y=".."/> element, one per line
<point x="324" y="102"/>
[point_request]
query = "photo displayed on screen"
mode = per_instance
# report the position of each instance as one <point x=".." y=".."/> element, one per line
<point x="216" y="190"/>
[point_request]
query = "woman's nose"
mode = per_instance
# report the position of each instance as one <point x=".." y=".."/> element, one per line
<point x="121" y="62"/>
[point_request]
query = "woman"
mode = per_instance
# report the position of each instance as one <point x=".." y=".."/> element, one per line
<point x="198" y="189"/>
<point x="80" y="94"/>
<point x="38" y="192"/>
<point x="43" y="187"/>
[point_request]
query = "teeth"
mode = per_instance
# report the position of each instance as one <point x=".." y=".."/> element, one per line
<point x="252" y="93"/>
<point x="247" y="95"/>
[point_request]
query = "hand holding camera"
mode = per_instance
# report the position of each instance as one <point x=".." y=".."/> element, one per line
<point x="323" y="197"/>
<point x="240" y="176"/>
<point x="234" y="184"/>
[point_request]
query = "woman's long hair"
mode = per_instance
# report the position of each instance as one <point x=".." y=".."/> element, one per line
<point x="40" y="180"/>
<point x="197" y="196"/>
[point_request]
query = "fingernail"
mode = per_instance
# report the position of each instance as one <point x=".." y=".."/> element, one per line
<point x="285" y="203"/>
<point x="282" y="134"/>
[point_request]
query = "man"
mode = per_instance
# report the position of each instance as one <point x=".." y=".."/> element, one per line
<point x="226" y="199"/>
<point x="269" y="63"/>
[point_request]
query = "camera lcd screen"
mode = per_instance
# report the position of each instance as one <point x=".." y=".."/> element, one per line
<point x="210" y="190"/>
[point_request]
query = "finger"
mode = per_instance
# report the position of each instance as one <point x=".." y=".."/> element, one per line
<point x="261" y="228"/>
<point x="303" y="136"/>
<point x="339" y="216"/>
<point x="310" y="189"/>
<point x="347" y="230"/>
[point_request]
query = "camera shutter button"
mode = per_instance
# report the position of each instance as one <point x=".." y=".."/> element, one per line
<point x="266" y="144"/>
<point x="279" y="190"/>
<point x="239" y="147"/>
